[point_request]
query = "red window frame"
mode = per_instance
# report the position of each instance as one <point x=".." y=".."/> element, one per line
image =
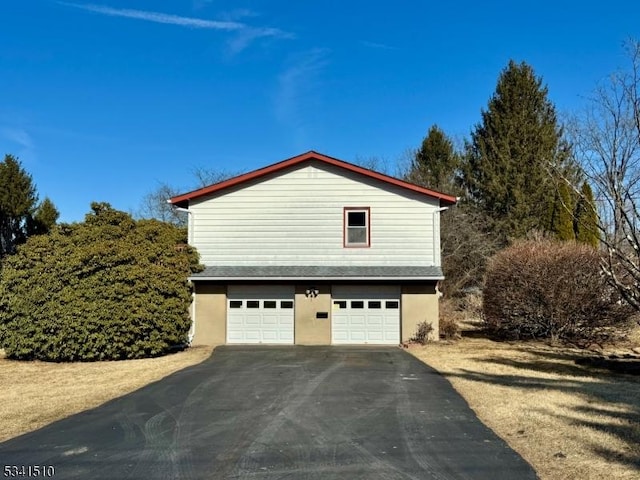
<point x="345" y="225"/>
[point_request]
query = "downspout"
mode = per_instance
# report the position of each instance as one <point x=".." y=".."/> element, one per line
<point x="437" y="232"/>
<point x="192" y="329"/>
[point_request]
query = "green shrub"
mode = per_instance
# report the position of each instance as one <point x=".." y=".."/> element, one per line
<point x="548" y="289"/>
<point x="106" y="289"/>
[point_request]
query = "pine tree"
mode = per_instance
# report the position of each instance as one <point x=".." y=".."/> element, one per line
<point x="45" y="217"/>
<point x="17" y="201"/>
<point x="562" y="214"/>
<point x="585" y="218"/>
<point x="513" y="149"/>
<point x="436" y="163"/>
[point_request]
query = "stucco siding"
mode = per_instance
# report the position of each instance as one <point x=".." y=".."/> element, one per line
<point x="419" y="304"/>
<point x="310" y="330"/>
<point x="296" y="218"/>
<point x="210" y="327"/>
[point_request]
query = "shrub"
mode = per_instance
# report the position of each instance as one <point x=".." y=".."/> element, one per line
<point x="109" y="288"/>
<point x="422" y="333"/>
<point x="450" y="317"/>
<point x="553" y="290"/>
<point x="467" y="244"/>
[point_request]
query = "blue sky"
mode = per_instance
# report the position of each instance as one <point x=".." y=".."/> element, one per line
<point x="103" y="101"/>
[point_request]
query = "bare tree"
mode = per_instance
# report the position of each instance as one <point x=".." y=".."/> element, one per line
<point x="155" y="203"/>
<point x="606" y="138"/>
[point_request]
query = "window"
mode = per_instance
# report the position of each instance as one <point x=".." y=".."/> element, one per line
<point x="253" y="304"/>
<point x="235" y="304"/>
<point x="356" y="227"/>
<point x="375" y="304"/>
<point x="269" y="304"/>
<point x="286" y="304"/>
<point x="391" y="305"/>
<point x="357" y="304"/>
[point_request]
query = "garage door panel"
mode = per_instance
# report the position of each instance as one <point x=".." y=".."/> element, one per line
<point x="366" y="314"/>
<point x="260" y="314"/>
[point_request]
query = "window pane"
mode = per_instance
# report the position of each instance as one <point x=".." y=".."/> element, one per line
<point x="286" y="304"/>
<point x="356" y="219"/>
<point x="253" y="304"/>
<point x="357" y="235"/>
<point x="375" y="304"/>
<point x="235" y="304"/>
<point x="357" y="304"/>
<point x="269" y="304"/>
<point x="391" y="304"/>
<point x="340" y="303"/>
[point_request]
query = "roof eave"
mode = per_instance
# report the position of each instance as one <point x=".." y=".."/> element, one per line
<point x="326" y="278"/>
<point x="183" y="200"/>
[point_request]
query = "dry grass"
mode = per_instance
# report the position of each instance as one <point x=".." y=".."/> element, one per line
<point x="35" y="394"/>
<point x="568" y="421"/>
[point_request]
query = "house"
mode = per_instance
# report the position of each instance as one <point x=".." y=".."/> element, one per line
<point x="314" y="250"/>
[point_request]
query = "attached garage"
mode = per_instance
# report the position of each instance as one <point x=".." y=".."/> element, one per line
<point x="365" y="315"/>
<point x="313" y="305"/>
<point x="260" y="314"/>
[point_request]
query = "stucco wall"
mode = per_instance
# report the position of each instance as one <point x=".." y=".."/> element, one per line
<point x="419" y="304"/>
<point x="210" y="314"/>
<point x="310" y="330"/>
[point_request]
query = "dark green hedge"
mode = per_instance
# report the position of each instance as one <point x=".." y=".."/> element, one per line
<point x="106" y="289"/>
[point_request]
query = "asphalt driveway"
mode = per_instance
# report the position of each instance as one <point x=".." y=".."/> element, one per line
<point x="279" y="413"/>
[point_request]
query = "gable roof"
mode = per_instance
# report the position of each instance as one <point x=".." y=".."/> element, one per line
<point x="183" y="200"/>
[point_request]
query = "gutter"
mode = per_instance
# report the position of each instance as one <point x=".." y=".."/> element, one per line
<point x="307" y="279"/>
<point x="192" y="329"/>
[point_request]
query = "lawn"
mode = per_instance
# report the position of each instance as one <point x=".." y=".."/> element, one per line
<point x="35" y="394"/>
<point x="567" y="421"/>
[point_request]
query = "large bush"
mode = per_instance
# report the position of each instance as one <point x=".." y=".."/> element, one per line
<point x="551" y="289"/>
<point x="109" y="288"/>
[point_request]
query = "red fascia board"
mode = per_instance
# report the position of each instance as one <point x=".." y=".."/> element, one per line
<point x="182" y="200"/>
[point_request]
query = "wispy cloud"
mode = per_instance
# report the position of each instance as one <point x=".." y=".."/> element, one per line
<point x="244" y="30"/>
<point x="17" y="135"/>
<point x="379" y="46"/>
<point x="21" y="142"/>
<point x="297" y="93"/>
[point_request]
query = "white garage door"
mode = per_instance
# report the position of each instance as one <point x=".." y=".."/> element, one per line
<point x="260" y="314"/>
<point x="365" y="315"/>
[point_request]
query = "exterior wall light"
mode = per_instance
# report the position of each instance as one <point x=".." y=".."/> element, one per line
<point x="311" y="292"/>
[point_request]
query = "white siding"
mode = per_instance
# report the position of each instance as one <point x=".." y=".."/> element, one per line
<point x="296" y="218"/>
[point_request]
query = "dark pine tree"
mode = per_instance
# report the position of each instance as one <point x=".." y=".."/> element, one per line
<point x="586" y="219"/>
<point x="506" y="171"/>
<point x="562" y="214"/>
<point x="436" y="163"/>
<point x="17" y="203"/>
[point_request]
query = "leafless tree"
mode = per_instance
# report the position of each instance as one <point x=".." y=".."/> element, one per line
<point x="155" y="205"/>
<point x="606" y="138"/>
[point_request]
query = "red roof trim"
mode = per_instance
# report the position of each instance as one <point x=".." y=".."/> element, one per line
<point x="182" y="200"/>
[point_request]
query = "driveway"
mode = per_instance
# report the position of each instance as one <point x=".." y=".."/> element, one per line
<point x="279" y="413"/>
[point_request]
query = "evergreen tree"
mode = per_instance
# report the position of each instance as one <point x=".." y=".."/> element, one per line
<point x="45" y="217"/>
<point x="17" y="202"/>
<point x="586" y="219"/>
<point x="513" y="149"/>
<point x="436" y="163"/>
<point x="562" y="214"/>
